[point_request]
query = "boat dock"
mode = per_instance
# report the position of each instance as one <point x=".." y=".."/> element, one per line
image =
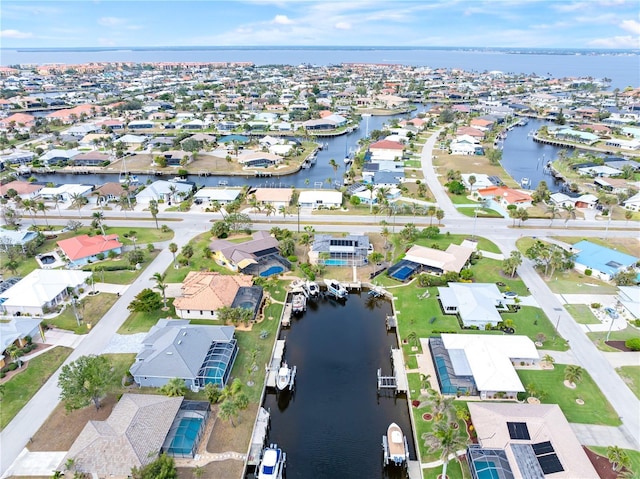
<point x="285" y="320"/>
<point x="398" y="381"/>
<point x="276" y="361"/>
<point x="259" y="436"/>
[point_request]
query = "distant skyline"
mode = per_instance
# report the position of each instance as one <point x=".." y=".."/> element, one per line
<point x="589" y="24"/>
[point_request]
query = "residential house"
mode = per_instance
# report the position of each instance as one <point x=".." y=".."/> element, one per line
<point x="258" y="159"/>
<point x="221" y="196"/>
<point x="65" y="192"/>
<point x="349" y="250"/>
<point x="477" y="304"/>
<point x="91" y="158"/>
<point x="465" y="145"/>
<point x="18" y="157"/>
<point x="24" y="189"/>
<point x="58" y="157"/>
<point x="503" y="196"/>
<point x="436" y="261"/>
<point x="204" y="293"/>
<point x="278" y="197"/>
<point x="83" y="249"/>
<point x="629" y="298"/>
<point x="15" y="332"/>
<point x="586" y="201"/>
<point x="386" y="150"/>
<point x="132" y="141"/>
<point x="198" y="354"/>
<point x="320" y="199"/>
<point x="20" y="121"/>
<point x="41" y="290"/>
<point x="604" y="263"/>
<point x="15" y="238"/>
<point x="109" y="192"/>
<point x="525" y="441"/>
<point x="487" y="360"/>
<point x="140" y="125"/>
<point x="249" y="255"/>
<point x="632" y="203"/>
<point x="165" y="191"/>
<point x="175" y="157"/>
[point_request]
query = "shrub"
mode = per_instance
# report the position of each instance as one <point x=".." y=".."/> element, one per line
<point x="165" y="229"/>
<point x="588" y="272"/>
<point x="12" y="367"/>
<point x="292" y="259"/>
<point x="596" y="305"/>
<point x="633" y="344"/>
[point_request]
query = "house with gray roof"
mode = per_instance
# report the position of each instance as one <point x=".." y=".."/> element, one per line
<point x="477" y="304"/>
<point x="248" y="256"/>
<point x="176" y="349"/>
<point x="350" y="250"/>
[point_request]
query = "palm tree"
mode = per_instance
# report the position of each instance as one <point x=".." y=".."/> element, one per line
<point x="472" y="181"/>
<point x="56" y="202"/>
<point x="31" y="207"/>
<point x="98" y="218"/>
<point x="442" y="407"/>
<point x="187" y="252"/>
<point x="124" y="203"/>
<point x="547" y="358"/>
<point x="269" y="209"/>
<point x="78" y="201"/>
<point x="553" y="212"/>
<point x="283" y="210"/>
<point x="439" y="215"/>
<point x="43" y="207"/>
<point x="431" y="211"/>
<point x="335" y="167"/>
<point x="571" y="213"/>
<point x="153" y="209"/>
<point x="618" y="458"/>
<point x="573" y="374"/>
<point x="370" y="187"/>
<point x="174" y="249"/>
<point x="174" y="387"/>
<point x="228" y="410"/>
<point x="447" y="440"/>
<point x="161" y="286"/>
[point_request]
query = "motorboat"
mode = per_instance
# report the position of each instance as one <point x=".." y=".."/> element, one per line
<point x="299" y="303"/>
<point x="285" y="377"/>
<point x="129" y="180"/>
<point x="525" y="182"/>
<point x="336" y="289"/>
<point x="396" y="449"/>
<point x="272" y="463"/>
<point x="312" y="288"/>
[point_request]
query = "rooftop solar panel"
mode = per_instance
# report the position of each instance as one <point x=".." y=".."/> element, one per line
<point x="542" y="448"/>
<point x="550" y="464"/>
<point x="518" y="430"/>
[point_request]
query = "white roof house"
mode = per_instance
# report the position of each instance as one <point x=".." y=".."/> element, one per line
<point x="161" y="190"/>
<point x="488" y="358"/>
<point x="65" y="192"/>
<point x="42" y="288"/>
<point x="632" y="203"/>
<point x="453" y="259"/>
<point x="629" y="297"/>
<point x="320" y="198"/>
<point x="482" y="181"/>
<point x="221" y="195"/>
<point x="476" y="303"/>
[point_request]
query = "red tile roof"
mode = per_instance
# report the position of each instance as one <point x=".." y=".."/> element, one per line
<point x="386" y="145"/>
<point x="84" y="246"/>
<point x="510" y="195"/>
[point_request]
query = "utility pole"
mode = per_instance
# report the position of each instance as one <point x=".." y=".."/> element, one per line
<point x="75" y="310"/>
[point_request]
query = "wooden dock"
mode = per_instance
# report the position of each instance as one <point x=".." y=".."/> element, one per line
<point x="286" y="315"/>
<point x="399" y="371"/>
<point x="276" y="361"/>
<point x="259" y="436"/>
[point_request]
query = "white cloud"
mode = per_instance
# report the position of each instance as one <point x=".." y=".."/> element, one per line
<point x="343" y="26"/>
<point x="282" y="20"/>
<point x="631" y="26"/>
<point x="15" y="34"/>
<point x="112" y="21"/>
<point x="106" y="42"/>
<point x="623" y="41"/>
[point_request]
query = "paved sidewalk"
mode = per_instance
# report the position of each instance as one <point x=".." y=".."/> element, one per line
<point x="561" y="357"/>
<point x="592" y="435"/>
<point x="61" y="337"/>
<point x="124" y="343"/>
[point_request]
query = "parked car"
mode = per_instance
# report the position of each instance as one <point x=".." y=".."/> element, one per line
<point x="611" y="312"/>
<point x="510" y="295"/>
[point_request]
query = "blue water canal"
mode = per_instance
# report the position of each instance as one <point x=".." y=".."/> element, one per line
<point x="332" y="425"/>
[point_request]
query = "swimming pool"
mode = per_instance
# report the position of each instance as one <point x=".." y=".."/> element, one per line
<point x="486" y="470"/>
<point x="445" y="381"/>
<point x="47" y="259"/>
<point x="186" y="435"/>
<point x="336" y="262"/>
<point x="271" y="271"/>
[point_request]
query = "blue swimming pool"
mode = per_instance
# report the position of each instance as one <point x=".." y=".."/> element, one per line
<point x="443" y="376"/>
<point x="336" y="262"/>
<point x="186" y="435"/>
<point x="486" y="470"/>
<point x="271" y="271"/>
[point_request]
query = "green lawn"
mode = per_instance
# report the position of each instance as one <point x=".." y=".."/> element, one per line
<point x="143" y="235"/>
<point x="531" y="321"/>
<point x="581" y="313"/>
<point x="198" y="261"/>
<point x="460" y="199"/>
<point x="622" y="335"/>
<point x="142" y="322"/>
<point x="482" y="212"/>
<point x="124" y="276"/>
<point x="455" y="470"/>
<point x="633" y="455"/>
<point x="490" y="271"/>
<point x="91" y="309"/>
<point x="596" y="409"/>
<point x="631" y="376"/>
<point x="21" y="387"/>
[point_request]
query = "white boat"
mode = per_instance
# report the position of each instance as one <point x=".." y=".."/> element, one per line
<point x="525" y="182"/>
<point x="312" y="288"/>
<point x="129" y="180"/>
<point x="299" y="303"/>
<point x="283" y="379"/>
<point x="347" y="160"/>
<point x="336" y="289"/>
<point x="396" y="450"/>
<point x="272" y="463"/>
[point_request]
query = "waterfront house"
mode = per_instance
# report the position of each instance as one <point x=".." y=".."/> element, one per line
<point x="18" y="157"/>
<point x="110" y="192"/>
<point x="91" y="158"/>
<point x="561" y="200"/>
<point x="477" y="304"/>
<point x="222" y="196"/>
<point x="248" y="256"/>
<point x="83" y="249"/>
<point x="198" y="354"/>
<point x="132" y="141"/>
<point x="19" y="121"/>
<point x="503" y="196"/>
<point x="140" y="125"/>
<point x="58" y="157"/>
<point x="258" y="159"/>
<point x="349" y="250"/>
<point x="386" y="150"/>
<point x="278" y="197"/>
<point x="41" y="290"/>
<point x="165" y="191"/>
<point x="599" y="171"/>
<point x="203" y="293"/>
<point x="436" y="261"/>
<point x="65" y="192"/>
<point x="24" y="189"/>
<point x="586" y="201"/>
<point x="525" y="440"/>
<point x="604" y="263"/>
<point x="320" y="199"/>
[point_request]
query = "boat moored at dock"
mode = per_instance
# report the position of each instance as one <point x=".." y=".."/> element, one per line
<point x="336" y="289"/>
<point x="286" y="377"/>
<point x="395" y="447"/>
<point x="298" y="303"/>
<point x="272" y="464"/>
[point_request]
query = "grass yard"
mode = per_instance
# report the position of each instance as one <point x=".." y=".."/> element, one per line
<point x="91" y="310"/>
<point x="490" y="271"/>
<point x="631" y="376"/>
<point x="455" y="470"/>
<point x="531" y="321"/>
<point x="622" y="335"/>
<point x="581" y="313"/>
<point x="482" y="212"/>
<point x="143" y="235"/>
<point x="634" y="456"/>
<point x="142" y="322"/>
<point x="198" y="262"/>
<point x="21" y="387"/>
<point x="124" y="276"/>
<point x="595" y="410"/>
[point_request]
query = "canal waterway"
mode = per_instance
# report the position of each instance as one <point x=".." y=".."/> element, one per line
<point x="332" y="425"/>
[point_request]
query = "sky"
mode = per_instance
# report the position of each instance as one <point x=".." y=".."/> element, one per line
<point x="589" y="24"/>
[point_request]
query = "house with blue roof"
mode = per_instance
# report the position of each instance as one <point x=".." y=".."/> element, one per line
<point x="604" y="262"/>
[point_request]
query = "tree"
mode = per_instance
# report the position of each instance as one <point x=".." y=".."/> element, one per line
<point x="446" y="439"/>
<point x="553" y="212"/>
<point x="571" y="213"/>
<point x="333" y="164"/>
<point x="212" y="392"/>
<point x="135" y="257"/>
<point x="187" y="252"/>
<point x="238" y="222"/>
<point x="220" y="229"/>
<point x="522" y="215"/>
<point x="84" y="381"/>
<point x="153" y="209"/>
<point x="626" y="277"/>
<point x="161" y="286"/>
<point x="97" y="222"/>
<point x="510" y="265"/>
<point x="228" y="410"/>
<point x="472" y="181"/>
<point x="78" y="201"/>
<point x="573" y="374"/>
<point x="162" y="468"/>
<point x="174" y="249"/>
<point x="287" y="246"/>
<point x="43" y="208"/>
<point x="439" y="214"/>
<point x="175" y="387"/>
<point x="618" y="458"/>
<point x="145" y="301"/>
